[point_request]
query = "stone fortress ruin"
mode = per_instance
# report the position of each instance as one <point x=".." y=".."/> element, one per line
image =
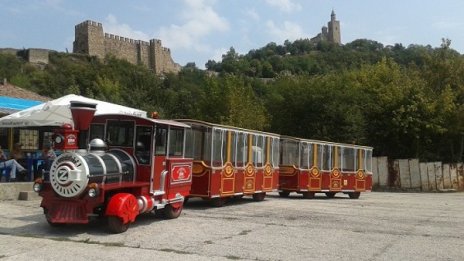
<point x="91" y="40"/>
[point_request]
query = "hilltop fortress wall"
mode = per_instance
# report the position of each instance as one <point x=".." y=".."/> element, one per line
<point x="90" y="39"/>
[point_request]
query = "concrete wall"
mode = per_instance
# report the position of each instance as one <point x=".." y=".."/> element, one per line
<point x="410" y="174"/>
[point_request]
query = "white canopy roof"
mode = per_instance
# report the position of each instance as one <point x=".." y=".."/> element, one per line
<point x="57" y="112"/>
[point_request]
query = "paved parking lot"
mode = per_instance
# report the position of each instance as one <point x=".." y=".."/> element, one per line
<point x="378" y="226"/>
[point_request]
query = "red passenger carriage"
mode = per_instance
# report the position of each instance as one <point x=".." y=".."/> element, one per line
<point x="231" y="162"/>
<point x="309" y="167"/>
<point x="132" y="165"/>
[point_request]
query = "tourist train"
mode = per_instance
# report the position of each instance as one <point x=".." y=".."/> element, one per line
<point x="118" y="166"/>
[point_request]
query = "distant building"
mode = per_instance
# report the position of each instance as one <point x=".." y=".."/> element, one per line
<point x="32" y="55"/>
<point x="91" y="40"/>
<point x="330" y="33"/>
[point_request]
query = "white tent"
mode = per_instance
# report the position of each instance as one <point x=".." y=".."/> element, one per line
<point x="57" y="112"/>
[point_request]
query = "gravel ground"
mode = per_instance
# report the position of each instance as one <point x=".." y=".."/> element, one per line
<point x="378" y="226"/>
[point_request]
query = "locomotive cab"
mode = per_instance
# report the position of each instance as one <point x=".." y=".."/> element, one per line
<point x="131" y="165"/>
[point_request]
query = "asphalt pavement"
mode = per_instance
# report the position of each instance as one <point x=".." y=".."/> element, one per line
<point x="377" y="226"/>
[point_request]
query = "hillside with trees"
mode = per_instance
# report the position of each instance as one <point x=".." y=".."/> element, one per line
<point x="404" y="101"/>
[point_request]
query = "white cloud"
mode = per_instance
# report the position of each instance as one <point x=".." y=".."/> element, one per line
<point x="200" y="20"/>
<point x="114" y="27"/>
<point x="251" y="13"/>
<point x="445" y="25"/>
<point x="284" y="5"/>
<point x="288" y="31"/>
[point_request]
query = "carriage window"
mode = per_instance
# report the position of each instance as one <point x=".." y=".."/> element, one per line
<point x="143" y="144"/>
<point x="258" y="150"/>
<point x="194" y="142"/>
<point x="306" y="155"/>
<point x="97" y="131"/>
<point x="290" y="153"/>
<point x="120" y="133"/>
<point x="326" y="159"/>
<point x="275" y="152"/>
<point x="176" y="142"/>
<point x="160" y="140"/>
<point x="240" y="156"/>
<point x="368" y="160"/>
<point x="349" y="159"/>
<point x="219" y="147"/>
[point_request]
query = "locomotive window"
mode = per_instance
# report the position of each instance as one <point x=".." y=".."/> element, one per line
<point x="240" y="157"/>
<point x="97" y="131"/>
<point x="207" y="136"/>
<point x="306" y="155"/>
<point x="219" y="147"/>
<point x="258" y="150"/>
<point x="290" y="152"/>
<point x="275" y="152"/>
<point x="194" y="141"/>
<point x="120" y="133"/>
<point x="349" y="159"/>
<point x="160" y="140"/>
<point x="176" y="142"/>
<point x="143" y="144"/>
<point x="326" y="160"/>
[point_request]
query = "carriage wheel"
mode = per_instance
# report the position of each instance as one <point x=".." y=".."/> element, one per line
<point x="354" y="195"/>
<point x="330" y="194"/>
<point x="308" y="195"/>
<point x="217" y="202"/>
<point x="171" y="212"/>
<point x="284" y="194"/>
<point x="116" y="225"/>
<point x="259" y="196"/>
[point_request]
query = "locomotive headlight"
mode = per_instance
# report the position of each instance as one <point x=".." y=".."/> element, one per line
<point x="93" y="190"/>
<point x="37" y="187"/>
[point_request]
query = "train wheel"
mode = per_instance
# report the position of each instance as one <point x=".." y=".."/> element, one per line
<point x="186" y="199"/>
<point x="171" y="212"/>
<point x="259" y="196"/>
<point x="330" y="194"/>
<point x="284" y="194"/>
<point x="354" y="195"/>
<point x="308" y="195"/>
<point x="116" y="225"/>
<point x="217" y="202"/>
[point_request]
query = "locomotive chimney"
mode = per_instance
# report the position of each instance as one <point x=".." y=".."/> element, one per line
<point x="82" y="114"/>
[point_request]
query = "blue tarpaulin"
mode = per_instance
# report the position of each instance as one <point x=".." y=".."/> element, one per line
<point x="9" y="105"/>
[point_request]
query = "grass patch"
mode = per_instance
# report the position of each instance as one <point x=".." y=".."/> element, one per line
<point x="233" y="257"/>
<point x="208" y="242"/>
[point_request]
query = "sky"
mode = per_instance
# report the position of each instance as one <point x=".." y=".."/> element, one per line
<point x="201" y="30"/>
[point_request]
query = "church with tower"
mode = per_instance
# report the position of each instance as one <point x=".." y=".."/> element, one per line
<point x="331" y="32"/>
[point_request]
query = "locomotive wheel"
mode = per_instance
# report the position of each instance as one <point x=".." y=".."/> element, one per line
<point x="217" y="202"/>
<point x="354" y="195"/>
<point x="171" y="212"/>
<point x="330" y="194"/>
<point x="259" y="196"/>
<point x="308" y="195"/>
<point x="284" y="194"/>
<point x="116" y="225"/>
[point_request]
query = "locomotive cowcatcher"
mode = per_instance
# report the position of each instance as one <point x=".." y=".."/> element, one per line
<point x="132" y="165"/>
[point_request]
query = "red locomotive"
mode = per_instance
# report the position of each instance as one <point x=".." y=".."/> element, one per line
<point x="132" y="165"/>
<point x="310" y="166"/>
